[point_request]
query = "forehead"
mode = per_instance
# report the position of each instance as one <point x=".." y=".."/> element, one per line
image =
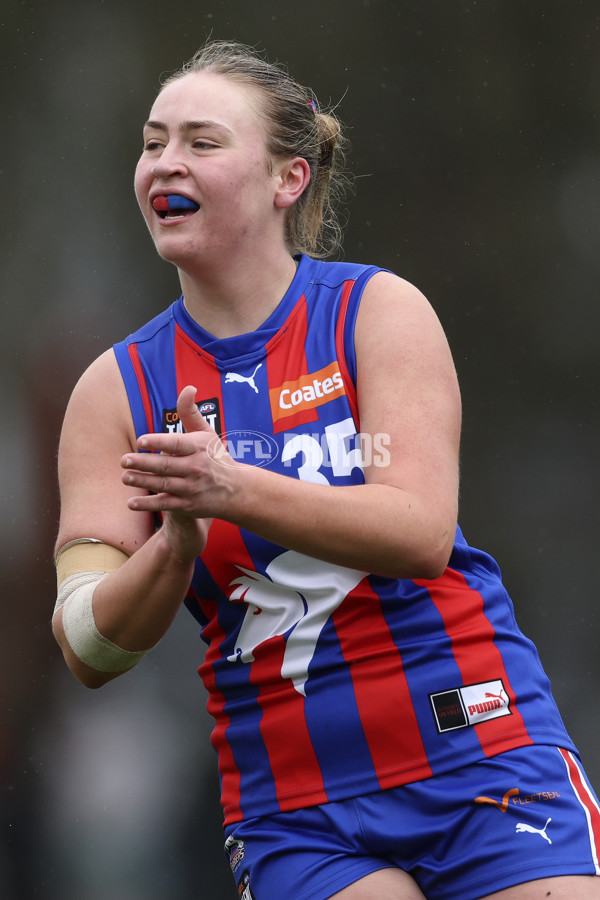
<point x="203" y="96"/>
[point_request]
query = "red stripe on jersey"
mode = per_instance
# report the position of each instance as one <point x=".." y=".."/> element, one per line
<point x="391" y="730"/>
<point x="588" y="802"/>
<point x="284" y="730"/>
<point x="197" y="367"/>
<point x="341" y="353"/>
<point x="476" y="655"/>
<point x="286" y="361"/>
<point x="223" y="570"/>
<point x="230" y="775"/>
<point x="141" y="378"/>
<point x="283" y="723"/>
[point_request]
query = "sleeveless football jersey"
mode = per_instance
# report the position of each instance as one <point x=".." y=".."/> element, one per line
<point x="327" y="682"/>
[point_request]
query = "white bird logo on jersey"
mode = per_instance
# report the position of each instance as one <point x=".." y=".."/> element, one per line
<point x="297" y="595"/>
<point x="233" y="376"/>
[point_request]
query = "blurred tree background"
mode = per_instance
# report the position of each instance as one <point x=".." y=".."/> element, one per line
<point x="475" y="134"/>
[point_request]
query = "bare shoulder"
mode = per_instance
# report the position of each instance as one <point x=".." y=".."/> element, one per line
<point x="97" y="431"/>
<point x="398" y="334"/>
<point x="100" y="392"/>
<point x="407" y="388"/>
<point x="392" y="307"/>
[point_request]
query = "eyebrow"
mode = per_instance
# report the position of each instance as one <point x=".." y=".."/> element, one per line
<point x="192" y="125"/>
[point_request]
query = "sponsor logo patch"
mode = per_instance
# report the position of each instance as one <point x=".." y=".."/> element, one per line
<point x="171" y="423"/>
<point x="469" y="705"/>
<point x="503" y="806"/>
<point x="306" y="392"/>
<point x="513" y="797"/>
<point x="236" y="850"/>
<point x="244" y="889"/>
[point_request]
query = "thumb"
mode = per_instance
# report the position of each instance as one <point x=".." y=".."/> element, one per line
<point x="191" y="417"/>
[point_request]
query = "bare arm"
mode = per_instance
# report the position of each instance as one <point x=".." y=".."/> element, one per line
<point x="401" y="523"/>
<point x="135" y="604"/>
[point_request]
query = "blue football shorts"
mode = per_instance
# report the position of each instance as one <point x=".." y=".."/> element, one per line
<point x="524" y="814"/>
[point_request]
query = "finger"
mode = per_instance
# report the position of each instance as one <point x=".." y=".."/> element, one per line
<point x="156" y="483"/>
<point x="171" y="444"/>
<point x="159" y="473"/>
<point x="191" y="417"/>
<point x="155" y="503"/>
<point x="166" y="462"/>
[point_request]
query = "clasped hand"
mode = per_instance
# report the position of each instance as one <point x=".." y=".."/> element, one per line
<point x="185" y="473"/>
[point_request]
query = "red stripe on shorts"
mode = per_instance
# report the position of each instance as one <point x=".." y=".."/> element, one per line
<point x="588" y="802"/>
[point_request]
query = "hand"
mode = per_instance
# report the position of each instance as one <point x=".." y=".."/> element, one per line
<point x="180" y="471"/>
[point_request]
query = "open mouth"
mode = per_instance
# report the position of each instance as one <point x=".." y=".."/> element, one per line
<point x="174" y="206"/>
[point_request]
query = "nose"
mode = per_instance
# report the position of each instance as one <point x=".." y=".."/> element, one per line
<point x="169" y="163"/>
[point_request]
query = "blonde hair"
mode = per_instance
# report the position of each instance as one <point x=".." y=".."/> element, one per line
<point x="295" y="126"/>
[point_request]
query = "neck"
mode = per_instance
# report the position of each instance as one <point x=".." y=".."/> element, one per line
<point x="239" y="300"/>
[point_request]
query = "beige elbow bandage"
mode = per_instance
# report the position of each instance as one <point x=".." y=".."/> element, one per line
<point x="80" y="566"/>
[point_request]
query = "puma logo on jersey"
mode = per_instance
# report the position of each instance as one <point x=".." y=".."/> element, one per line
<point x="234" y="376"/>
<point x="497" y="701"/>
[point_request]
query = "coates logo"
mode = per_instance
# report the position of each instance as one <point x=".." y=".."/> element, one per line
<point x="306" y="392"/>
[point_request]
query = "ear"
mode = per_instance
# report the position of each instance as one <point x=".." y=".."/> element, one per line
<point x="292" y="178"/>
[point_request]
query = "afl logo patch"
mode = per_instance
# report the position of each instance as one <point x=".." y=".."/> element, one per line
<point x="171" y="423"/>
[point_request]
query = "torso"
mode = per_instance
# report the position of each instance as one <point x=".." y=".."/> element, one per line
<point x="325" y="681"/>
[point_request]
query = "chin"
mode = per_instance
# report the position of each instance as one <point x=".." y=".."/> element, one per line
<point x="172" y="252"/>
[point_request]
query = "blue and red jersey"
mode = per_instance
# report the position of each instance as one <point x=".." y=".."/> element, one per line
<point x="327" y="682"/>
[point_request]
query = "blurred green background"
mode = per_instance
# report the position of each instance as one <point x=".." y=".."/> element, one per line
<point x="475" y="134"/>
